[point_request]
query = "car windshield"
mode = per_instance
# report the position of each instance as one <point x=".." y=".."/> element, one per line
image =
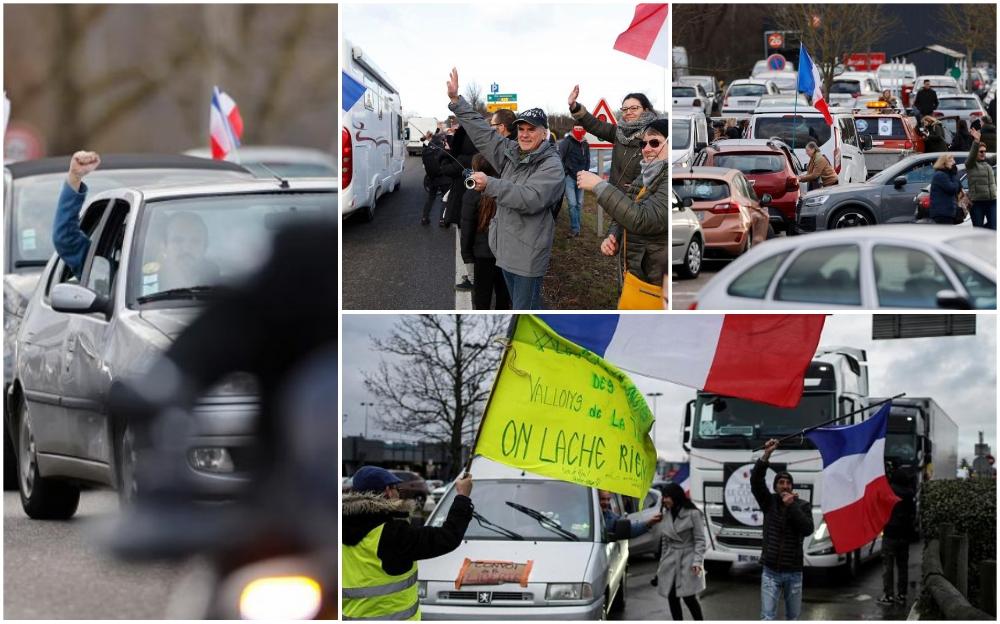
<point x="751" y="163"/>
<point x="791" y="129"/>
<point x="785" y="80"/>
<point x="192" y="245"/>
<point x="701" y="189"/>
<point x="958" y="103"/>
<point x="500" y="506"/>
<point x="681" y="134"/>
<point x="683" y="92"/>
<point x="982" y="247"/>
<point x="895" y="73"/>
<point x="946" y="90"/>
<point x="35" y="199"/>
<point x="845" y="86"/>
<point x="291" y="169"/>
<point x="881" y="127"/>
<point x="747" y="89"/>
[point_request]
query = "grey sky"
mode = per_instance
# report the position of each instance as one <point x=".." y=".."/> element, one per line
<point x="958" y="372"/>
<point x="538" y="51"/>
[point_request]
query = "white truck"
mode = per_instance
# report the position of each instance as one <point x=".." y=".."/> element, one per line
<point x="416" y="128"/>
<point x="372" y="145"/>
<point x="722" y="435"/>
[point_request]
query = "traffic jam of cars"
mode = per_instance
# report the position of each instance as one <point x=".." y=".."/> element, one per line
<point x="804" y="153"/>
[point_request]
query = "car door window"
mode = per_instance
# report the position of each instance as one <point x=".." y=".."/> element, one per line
<point x="906" y="277"/>
<point x="848" y="133"/>
<point x="99" y="274"/>
<point x="823" y="275"/>
<point x="982" y="291"/>
<point x="753" y="282"/>
<point x="920" y="173"/>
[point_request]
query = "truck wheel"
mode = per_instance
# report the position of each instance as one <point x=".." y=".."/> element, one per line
<point x="42" y="499"/>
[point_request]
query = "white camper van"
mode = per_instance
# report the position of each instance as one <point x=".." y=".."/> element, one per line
<point x="373" y="148"/>
<point x="417" y="127"/>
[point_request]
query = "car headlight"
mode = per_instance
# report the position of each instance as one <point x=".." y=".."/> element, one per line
<point x="281" y="598"/>
<point x="569" y="591"/>
<point x="211" y="459"/>
<point x="815" y="200"/>
<point x="822" y="533"/>
<point x="421" y="589"/>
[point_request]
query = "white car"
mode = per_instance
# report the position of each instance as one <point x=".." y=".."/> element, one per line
<point x="906" y="266"/>
<point x="786" y="81"/>
<point x="967" y="107"/>
<point x="686" y="238"/>
<point x="742" y="96"/>
<point x="849" y="86"/>
<point x="689" y="135"/>
<point x="690" y="99"/>
<point x="709" y="83"/>
<point x="942" y="85"/>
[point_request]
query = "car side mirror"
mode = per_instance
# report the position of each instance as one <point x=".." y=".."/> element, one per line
<point x="866" y="142"/>
<point x="765" y="199"/>
<point x="76" y="299"/>
<point x="899" y="182"/>
<point x="951" y="300"/>
<point x="623" y="530"/>
<point x="687" y="202"/>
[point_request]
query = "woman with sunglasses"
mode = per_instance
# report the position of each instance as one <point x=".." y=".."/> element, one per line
<point x="642" y="210"/>
<point x="636" y="113"/>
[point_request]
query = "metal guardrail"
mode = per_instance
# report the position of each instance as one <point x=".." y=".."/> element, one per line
<point x="946" y="578"/>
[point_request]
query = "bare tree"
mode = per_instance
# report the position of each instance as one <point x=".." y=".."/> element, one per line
<point x="830" y="31"/>
<point x="971" y="26"/>
<point x="474" y="95"/>
<point x="440" y="376"/>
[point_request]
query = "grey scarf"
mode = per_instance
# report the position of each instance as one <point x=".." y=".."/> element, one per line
<point x="650" y="170"/>
<point x="625" y="131"/>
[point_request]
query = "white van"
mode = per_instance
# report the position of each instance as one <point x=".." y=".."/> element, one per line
<point x="416" y="128"/>
<point x="689" y="135"/>
<point x="840" y="143"/>
<point x="578" y="570"/>
<point x="372" y="148"/>
<point x="851" y="86"/>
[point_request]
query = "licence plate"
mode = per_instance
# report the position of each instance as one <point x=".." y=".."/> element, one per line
<point x="748" y="558"/>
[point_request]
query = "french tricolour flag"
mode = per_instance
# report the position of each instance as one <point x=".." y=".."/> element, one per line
<point x="225" y="125"/>
<point x="857" y="499"/>
<point x="811" y="84"/>
<point x="646" y="36"/>
<point x="759" y="357"/>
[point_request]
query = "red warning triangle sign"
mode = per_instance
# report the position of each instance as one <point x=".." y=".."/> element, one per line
<point x="602" y="112"/>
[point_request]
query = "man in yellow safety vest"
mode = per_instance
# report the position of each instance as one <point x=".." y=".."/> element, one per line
<point x="380" y="546"/>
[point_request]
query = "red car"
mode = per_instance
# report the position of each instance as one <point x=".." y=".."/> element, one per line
<point x="769" y="165"/>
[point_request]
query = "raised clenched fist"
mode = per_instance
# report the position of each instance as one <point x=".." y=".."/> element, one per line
<point x="80" y="164"/>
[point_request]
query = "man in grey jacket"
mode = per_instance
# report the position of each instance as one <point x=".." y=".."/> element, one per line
<point x="528" y="193"/>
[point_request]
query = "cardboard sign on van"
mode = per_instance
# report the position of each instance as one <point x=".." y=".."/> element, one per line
<point x="493" y="573"/>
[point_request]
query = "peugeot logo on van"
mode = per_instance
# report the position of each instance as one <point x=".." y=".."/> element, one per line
<point x="484" y="597"/>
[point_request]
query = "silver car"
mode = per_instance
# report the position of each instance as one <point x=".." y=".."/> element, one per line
<point x="967" y="107"/>
<point x="156" y="255"/>
<point x="266" y="161"/>
<point x="687" y="243"/>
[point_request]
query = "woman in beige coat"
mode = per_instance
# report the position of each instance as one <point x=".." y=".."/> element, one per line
<point x="681" y="573"/>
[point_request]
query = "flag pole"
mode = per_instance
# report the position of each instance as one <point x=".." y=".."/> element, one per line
<point x="795" y="101"/>
<point x="833" y="420"/>
<point x="511" y="329"/>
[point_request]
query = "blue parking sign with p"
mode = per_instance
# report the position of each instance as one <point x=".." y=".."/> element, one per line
<point x="776" y="62"/>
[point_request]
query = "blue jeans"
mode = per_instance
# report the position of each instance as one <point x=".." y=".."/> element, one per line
<point x="525" y="292"/>
<point x="574" y="195"/>
<point x="772" y="585"/>
<point x="984" y="213"/>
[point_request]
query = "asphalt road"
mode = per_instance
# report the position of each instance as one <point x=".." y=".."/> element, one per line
<point x="685" y="291"/>
<point x="394" y="263"/>
<point x="55" y="570"/>
<point x="736" y="595"/>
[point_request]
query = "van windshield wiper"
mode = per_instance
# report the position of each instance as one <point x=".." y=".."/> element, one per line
<point x="192" y="292"/>
<point x="496" y="528"/>
<point x="544" y="520"/>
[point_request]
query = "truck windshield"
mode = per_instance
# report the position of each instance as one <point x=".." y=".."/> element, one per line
<point x="901" y="436"/>
<point x="500" y="505"/>
<point x="725" y="422"/>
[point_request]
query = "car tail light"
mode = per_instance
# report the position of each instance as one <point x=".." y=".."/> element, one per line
<point x="908" y="144"/>
<point x="696" y="102"/>
<point x="976" y="114"/>
<point x="791" y="183"/>
<point x="693" y="306"/>
<point x="855" y="95"/>
<point x="346" y="163"/>
<point x="938" y="114"/>
<point x="725" y="208"/>
<point x="725" y="102"/>
<point x="925" y="202"/>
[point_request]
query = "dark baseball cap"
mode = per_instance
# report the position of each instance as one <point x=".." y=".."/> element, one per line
<point x="373" y="479"/>
<point x="534" y="116"/>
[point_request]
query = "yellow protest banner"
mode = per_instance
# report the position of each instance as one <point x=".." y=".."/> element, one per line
<point x="561" y="411"/>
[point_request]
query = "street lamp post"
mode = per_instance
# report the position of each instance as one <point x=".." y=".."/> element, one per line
<point x="366" y="405"/>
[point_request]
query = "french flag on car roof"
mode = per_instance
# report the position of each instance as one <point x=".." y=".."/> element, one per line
<point x="225" y="125"/>
<point x="758" y="357"/>
<point x="811" y="84"/>
<point x="857" y="499"/>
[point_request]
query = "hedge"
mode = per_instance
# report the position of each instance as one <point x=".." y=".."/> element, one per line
<point x="970" y="505"/>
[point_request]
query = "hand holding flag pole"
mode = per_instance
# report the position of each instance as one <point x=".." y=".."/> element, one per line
<point x="833" y="420"/>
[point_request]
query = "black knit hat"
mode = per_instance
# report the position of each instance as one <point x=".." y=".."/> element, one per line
<point x="661" y="125"/>
<point x="782" y="474"/>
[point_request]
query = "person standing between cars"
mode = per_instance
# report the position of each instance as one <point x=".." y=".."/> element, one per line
<point x="944" y="190"/>
<point x="819" y="172"/>
<point x="680" y="574"/>
<point x="528" y="194"/>
<point x="982" y="184"/>
<point x="988" y="134"/>
<point x="380" y="547"/>
<point x="574" y="151"/>
<point x="626" y="154"/>
<point x="934" y="136"/>
<point x="787" y="521"/>
<point x="926" y="100"/>
<point x="888" y="99"/>
<point x="642" y="211"/>
<point x="636" y="528"/>
<point x="896" y="540"/>
<point x="477" y="212"/>
<point x="962" y="140"/>
<point x="435" y="181"/>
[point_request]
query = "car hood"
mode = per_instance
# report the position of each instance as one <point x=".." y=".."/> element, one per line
<point x="853" y="188"/>
<point x="553" y="562"/>
<point x="172" y="321"/>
